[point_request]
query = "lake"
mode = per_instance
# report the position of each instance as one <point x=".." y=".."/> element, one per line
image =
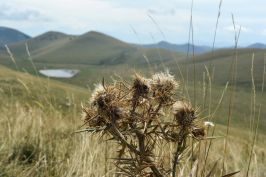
<point x="59" y="73"/>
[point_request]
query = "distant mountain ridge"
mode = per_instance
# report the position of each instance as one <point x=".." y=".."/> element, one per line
<point x="184" y="48"/>
<point x="257" y="46"/>
<point x="52" y="40"/>
<point x="10" y="36"/>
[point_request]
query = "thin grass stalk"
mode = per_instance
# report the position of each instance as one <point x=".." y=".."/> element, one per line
<point x="189" y="38"/>
<point x="212" y="73"/>
<point x="254" y="107"/>
<point x="207" y="148"/>
<point x="254" y="141"/>
<point x="11" y="56"/>
<point x="142" y="51"/>
<point x="254" y="95"/>
<point x="105" y="157"/>
<point x="199" y="159"/>
<point x="264" y="74"/>
<point x="159" y="54"/>
<point x="232" y="95"/>
<point x="216" y="27"/>
<point x="30" y="59"/>
<point x="204" y="90"/>
<point x="172" y="53"/>
<point x="209" y="114"/>
<point x="194" y="69"/>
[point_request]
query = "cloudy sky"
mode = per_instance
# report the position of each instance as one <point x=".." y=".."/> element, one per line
<point x="140" y="21"/>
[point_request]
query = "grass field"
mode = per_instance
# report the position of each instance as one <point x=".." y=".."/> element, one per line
<point x="39" y="116"/>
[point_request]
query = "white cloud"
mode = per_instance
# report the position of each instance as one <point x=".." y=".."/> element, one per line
<point x="13" y="12"/>
<point x="115" y="17"/>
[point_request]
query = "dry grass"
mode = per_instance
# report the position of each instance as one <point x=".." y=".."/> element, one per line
<point x="34" y="142"/>
<point x="39" y="141"/>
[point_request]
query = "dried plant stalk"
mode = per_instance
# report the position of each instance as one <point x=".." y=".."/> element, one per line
<point x="137" y="115"/>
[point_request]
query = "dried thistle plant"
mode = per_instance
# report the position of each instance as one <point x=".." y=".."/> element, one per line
<point x="138" y="115"/>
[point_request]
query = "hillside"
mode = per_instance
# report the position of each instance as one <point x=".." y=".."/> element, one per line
<point x="37" y="45"/>
<point x="34" y="91"/>
<point x="9" y="36"/>
<point x="94" y="54"/>
<point x="222" y="61"/>
<point x="90" y="48"/>
<point x="97" y="55"/>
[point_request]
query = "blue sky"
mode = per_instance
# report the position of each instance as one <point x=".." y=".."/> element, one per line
<point x="119" y="18"/>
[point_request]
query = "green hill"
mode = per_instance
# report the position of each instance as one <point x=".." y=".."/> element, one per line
<point x="92" y="48"/>
<point x="42" y="43"/>
<point x="96" y="55"/>
<point x="34" y="91"/>
<point x="222" y="62"/>
<point x="9" y="36"/>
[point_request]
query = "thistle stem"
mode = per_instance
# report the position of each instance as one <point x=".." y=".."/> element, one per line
<point x="179" y="149"/>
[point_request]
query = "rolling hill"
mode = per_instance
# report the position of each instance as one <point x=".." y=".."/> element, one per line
<point x="37" y="45"/>
<point x="90" y="48"/>
<point x="94" y="54"/>
<point x="10" y="36"/>
<point x="97" y="55"/>
<point x="222" y="62"/>
<point x="35" y="91"/>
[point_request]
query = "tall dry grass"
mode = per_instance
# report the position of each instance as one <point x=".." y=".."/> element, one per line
<point x="36" y="142"/>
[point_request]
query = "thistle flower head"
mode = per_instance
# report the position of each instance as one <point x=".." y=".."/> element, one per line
<point x="163" y="86"/>
<point x="140" y="86"/>
<point x="91" y="118"/>
<point x="108" y="102"/>
<point x="97" y="91"/>
<point x="184" y="113"/>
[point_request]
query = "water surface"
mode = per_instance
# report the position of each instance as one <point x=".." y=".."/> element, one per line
<point x="59" y="73"/>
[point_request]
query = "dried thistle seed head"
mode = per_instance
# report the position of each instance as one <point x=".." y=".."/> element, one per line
<point x="140" y="86"/>
<point x="87" y="113"/>
<point x="91" y="118"/>
<point x="199" y="133"/>
<point x="163" y="86"/>
<point x="101" y="96"/>
<point x="108" y="102"/>
<point x="97" y="121"/>
<point x="97" y="90"/>
<point x="184" y="113"/>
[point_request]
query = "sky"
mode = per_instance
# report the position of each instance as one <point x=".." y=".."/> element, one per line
<point x="141" y="21"/>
